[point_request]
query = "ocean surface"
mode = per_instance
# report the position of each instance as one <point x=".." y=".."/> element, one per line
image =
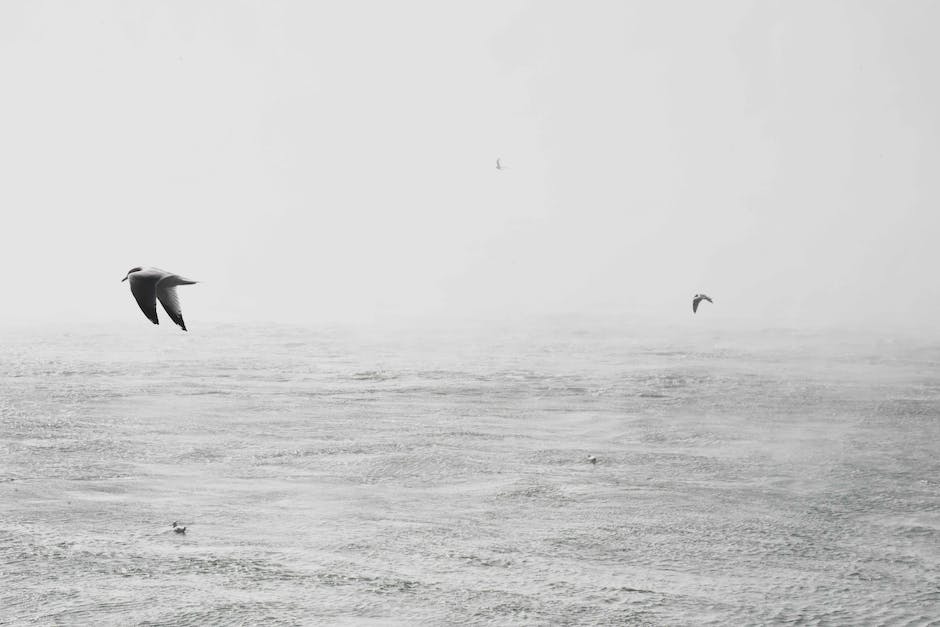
<point x="339" y="476"/>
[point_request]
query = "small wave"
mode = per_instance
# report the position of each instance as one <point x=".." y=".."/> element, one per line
<point x="373" y="375"/>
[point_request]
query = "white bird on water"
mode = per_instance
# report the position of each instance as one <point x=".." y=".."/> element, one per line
<point x="697" y="299"/>
<point x="150" y="284"/>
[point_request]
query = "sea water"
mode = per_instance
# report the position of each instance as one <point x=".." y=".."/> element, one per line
<point x="335" y="475"/>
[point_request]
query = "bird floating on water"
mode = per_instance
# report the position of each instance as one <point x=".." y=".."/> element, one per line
<point x="150" y="284"/>
<point x="592" y="459"/>
<point x="177" y="528"/>
<point x="697" y="299"/>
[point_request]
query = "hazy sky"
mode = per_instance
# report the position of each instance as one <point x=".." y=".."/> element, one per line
<point x="336" y="161"/>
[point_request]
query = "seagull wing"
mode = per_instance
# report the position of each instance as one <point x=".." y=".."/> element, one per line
<point x="695" y="302"/>
<point x="171" y="303"/>
<point x="144" y="289"/>
<point x="708" y="299"/>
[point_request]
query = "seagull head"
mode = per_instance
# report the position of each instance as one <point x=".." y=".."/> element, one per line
<point x="131" y="271"/>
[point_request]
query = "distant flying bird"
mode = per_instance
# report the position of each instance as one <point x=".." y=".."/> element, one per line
<point x="150" y="284"/>
<point x="499" y="166"/>
<point x="697" y="299"/>
<point x="177" y="528"/>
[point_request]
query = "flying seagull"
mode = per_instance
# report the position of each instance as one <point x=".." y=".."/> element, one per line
<point x="150" y="284"/>
<point x="697" y="299"/>
<point x="499" y="166"/>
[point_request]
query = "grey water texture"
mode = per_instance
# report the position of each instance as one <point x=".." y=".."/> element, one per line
<point x="338" y="476"/>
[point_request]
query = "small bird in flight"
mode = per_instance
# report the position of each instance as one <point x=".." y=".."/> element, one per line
<point x="499" y="166"/>
<point x="697" y="299"/>
<point x="150" y="284"/>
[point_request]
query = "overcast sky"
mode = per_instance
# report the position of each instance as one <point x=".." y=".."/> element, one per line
<point x="336" y="160"/>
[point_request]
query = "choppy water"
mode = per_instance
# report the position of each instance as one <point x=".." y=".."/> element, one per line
<point x="441" y="478"/>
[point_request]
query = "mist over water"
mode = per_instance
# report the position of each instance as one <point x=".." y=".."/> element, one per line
<point x="442" y="477"/>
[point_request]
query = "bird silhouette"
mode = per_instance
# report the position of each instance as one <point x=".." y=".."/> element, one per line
<point x="697" y="299"/>
<point x="151" y="284"/>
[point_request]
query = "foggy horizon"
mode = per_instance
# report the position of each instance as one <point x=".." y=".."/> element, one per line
<point x="441" y="363"/>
